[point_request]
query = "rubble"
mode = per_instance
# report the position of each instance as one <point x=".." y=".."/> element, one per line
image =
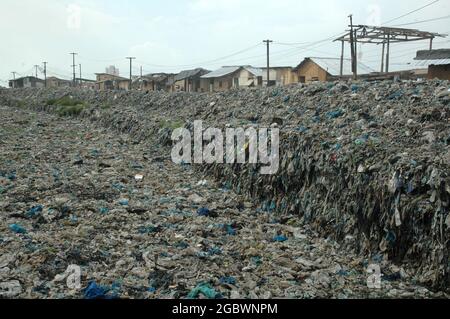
<point x="364" y="178"/>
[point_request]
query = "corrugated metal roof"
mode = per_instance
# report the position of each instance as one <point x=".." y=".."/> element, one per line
<point x="427" y="63"/>
<point x="254" y="71"/>
<point x="223" y="71"/>
<point x="439" y="54"/>
<point x="333" y="66"/>
<point x="190" y="73"/>
<point x="226" y="70"/>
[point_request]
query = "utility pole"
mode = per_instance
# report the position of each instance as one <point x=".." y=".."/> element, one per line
<point x="141" y="71"/>
<point x="14" y="79"/>
<point x="352" y="47"/>
<point x="80" y="75"/>
<point x="342" y="60"/>
<point x="36" y="69"/>
<point x="45" y="73"/>
<point x="268" y="42"/>
<point x="388" y="52"/>
<point x="131" y="70"/>
<point x="73" y="67"/>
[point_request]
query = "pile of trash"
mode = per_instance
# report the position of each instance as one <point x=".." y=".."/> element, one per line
<point x="367" y="164"/>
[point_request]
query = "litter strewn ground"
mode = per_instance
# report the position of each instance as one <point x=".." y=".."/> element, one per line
<point x="74" y="191"/>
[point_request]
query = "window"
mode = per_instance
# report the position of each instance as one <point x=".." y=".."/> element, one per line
<point x="220" y="84"/>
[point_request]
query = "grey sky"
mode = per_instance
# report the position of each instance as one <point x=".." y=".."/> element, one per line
<point x="174" y="35"/>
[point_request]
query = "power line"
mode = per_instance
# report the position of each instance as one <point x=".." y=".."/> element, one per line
<point x="414" y="11"/>
<point x="201" y="63"/>
<point x="423" y="21"/>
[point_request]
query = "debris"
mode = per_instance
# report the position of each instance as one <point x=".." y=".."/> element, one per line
<point x="95" y="291"/>
<point x="10" y="289"/>
<point x="204" y="289"/>
<point x="17" y="229"/>
<point x="352" y="184"/>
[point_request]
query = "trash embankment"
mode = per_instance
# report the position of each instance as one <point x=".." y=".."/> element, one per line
<point x="365" y="163"/>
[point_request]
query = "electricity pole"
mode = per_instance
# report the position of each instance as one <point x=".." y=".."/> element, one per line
<point x="80" y="76"/>
<point x="36" y="69"/>
<point x="45" y="73"/>
<point x="352" y="46"/>
<point x="14" y="79"/>
<point x="268" y="42"/>
<point x="131" y="70"/>
<point x="73" y="67"/>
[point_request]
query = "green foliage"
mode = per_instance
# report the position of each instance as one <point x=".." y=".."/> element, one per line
<point x="71" y="110"/>
<point x="65" y="101"/>
<point x="67" y="106"/>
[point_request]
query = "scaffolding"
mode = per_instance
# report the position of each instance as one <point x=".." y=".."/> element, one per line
<point x="384" y="36"/>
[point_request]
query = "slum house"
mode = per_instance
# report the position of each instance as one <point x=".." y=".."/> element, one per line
<point x="189" y="81"/>
<point x="27" y="82"/>
<point x="279" y="75"/>
<point x="228" y="77"/>
<point x="87" y="83"/>
<point x="152" y="82"/>
<point x="54" y="82"/>
<point x="326" y="69"/>
<point x="436" y="61"/>
<point x="107" y="81"/>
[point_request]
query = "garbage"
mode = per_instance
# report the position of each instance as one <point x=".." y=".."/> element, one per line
<point x="34" y="211"/>
<point x="204" y="289"/>
<point x="10" y="289"/>
<point x="95" y="291"/>
<point x="228" y="280"/>
<point x="351" y="185"/>
<point x="280" y="238"/>
<point x="203" y="211"/>
<point x="17" y="229"/>
<point x="124" y="202"/>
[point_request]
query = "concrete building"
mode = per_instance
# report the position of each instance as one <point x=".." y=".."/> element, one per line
<point x="54" y="82"/>
<point x="27" y="82"/>
<point x="436" y="61"/>
<point x="326" y="69"/>
<point x="111" y="82"/>
<point x="189" y="81"/>
<point x="228" y="77"/>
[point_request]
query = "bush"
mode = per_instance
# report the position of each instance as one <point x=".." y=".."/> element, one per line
<point x="71" y="110"/>
<point x="65" y="101"/>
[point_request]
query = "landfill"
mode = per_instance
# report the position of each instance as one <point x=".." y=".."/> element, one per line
<point x="86" y="179"/>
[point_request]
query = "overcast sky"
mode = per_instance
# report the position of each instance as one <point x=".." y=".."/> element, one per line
<point x="174" y="35"/>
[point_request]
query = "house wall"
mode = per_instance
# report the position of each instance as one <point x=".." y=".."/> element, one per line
<point x="57" y="83"/>
<point x="441" y="72"/>
<point x="311" y="72"/>
<point x="205" y="85"/>
<point x="178" y="86"/>
<point x="105" y="77"/>
<point x="282" y="76"/>
<point x="194" y="84"/>
<point x="247" y="79"/>
<point x="122" y="84"/>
